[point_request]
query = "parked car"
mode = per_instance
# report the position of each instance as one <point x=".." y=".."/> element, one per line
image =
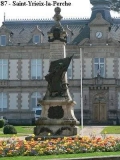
<point x="37" y="113"/>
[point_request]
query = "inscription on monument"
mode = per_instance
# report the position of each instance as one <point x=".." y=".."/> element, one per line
<point x="55" y="112"/>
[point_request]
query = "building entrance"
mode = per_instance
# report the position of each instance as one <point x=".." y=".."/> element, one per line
<point x="99" y="109"/>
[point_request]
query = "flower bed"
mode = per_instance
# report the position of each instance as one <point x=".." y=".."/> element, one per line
<point x="67" y="145"/>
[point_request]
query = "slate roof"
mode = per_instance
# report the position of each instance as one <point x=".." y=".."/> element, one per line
<point x="84" y="33"/>
<point x="116" y="20"/>
<point x="23" y="29"/>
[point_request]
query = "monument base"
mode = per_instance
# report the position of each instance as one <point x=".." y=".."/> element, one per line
<point x="47" y="135"/>
<point x="56" y="130"/>
<point x="57" y="119"/>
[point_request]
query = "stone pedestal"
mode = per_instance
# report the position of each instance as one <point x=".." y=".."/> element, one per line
<point x="57" y="119"/>
<point x="57" y="50"/>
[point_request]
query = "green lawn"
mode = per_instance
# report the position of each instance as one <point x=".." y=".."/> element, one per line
<point x="21" y="131"/>
<point x="111" y="130"/>
<point x="26" y="130"/>
<point x="63" y="156"/>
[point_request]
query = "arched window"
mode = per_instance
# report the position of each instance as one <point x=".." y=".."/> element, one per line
<point x="3" y="102"/>
<point x="34" y="99"/>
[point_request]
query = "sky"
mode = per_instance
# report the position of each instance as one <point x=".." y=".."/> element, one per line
<point x="77" y="9"/>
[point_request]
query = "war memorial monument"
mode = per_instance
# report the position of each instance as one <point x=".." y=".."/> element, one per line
<point x="57" y="118"/>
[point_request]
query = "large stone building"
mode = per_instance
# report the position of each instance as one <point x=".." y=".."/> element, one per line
<point x="24" y="61"/>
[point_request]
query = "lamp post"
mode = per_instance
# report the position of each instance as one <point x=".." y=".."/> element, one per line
<point x="81" y="97"/>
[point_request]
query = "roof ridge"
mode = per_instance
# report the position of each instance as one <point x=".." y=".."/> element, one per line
<point x="46" y="19"/>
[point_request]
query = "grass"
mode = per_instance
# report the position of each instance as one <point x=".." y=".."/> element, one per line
<point x="111" y="130"/>
<point x="27" y="130"/>
<point x="95" y="154"/>
<point x="21" y="131"/>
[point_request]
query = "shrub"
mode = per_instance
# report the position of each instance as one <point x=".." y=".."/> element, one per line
<point x="9" y="129"/>
<point x="2" y="122"/>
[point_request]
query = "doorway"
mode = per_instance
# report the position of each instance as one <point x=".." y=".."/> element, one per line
<point x="99" y="109"/>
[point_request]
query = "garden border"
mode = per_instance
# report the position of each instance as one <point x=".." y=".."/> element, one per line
<point x="93" y="158"/>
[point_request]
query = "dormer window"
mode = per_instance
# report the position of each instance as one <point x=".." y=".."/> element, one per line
<point x="36" y="39"/>
<point x="3" y="40"/>
<point x="68" y="38"/>
<point x="69" y="34"/>
<point x="37" y="35"/>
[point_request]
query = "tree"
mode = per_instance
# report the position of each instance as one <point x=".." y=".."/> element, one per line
<point x="115" y="5"/>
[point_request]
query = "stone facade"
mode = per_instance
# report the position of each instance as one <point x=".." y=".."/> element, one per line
<point x="99" y="39"/>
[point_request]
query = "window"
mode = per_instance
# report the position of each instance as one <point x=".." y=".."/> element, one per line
<point x="38" y="112"/>
<point x="36" y="69"/>
<point x="3" y="40"/>
<point x="99" y="67"/>
<point x="36" y="39"/>
<point x="34" y="99"/>
<point x="68" y="38"/>
<point x="69" y="71"/>
<point x="3" y="102"/>
<point x="3" y="69"/>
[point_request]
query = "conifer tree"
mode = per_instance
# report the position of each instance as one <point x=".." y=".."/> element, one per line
<point x="115" y="5"/>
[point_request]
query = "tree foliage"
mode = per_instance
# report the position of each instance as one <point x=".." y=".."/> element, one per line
<point x="115" y="5"/>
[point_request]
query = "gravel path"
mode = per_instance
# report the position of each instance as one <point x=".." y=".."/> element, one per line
<point x="95" y="130"/>
<point x="90" y="130"/>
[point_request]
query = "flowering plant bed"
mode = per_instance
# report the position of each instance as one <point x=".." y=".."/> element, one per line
<point x="67" y="145"/>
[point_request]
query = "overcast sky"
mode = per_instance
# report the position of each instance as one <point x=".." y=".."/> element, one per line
<point x="78" y="8"/>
